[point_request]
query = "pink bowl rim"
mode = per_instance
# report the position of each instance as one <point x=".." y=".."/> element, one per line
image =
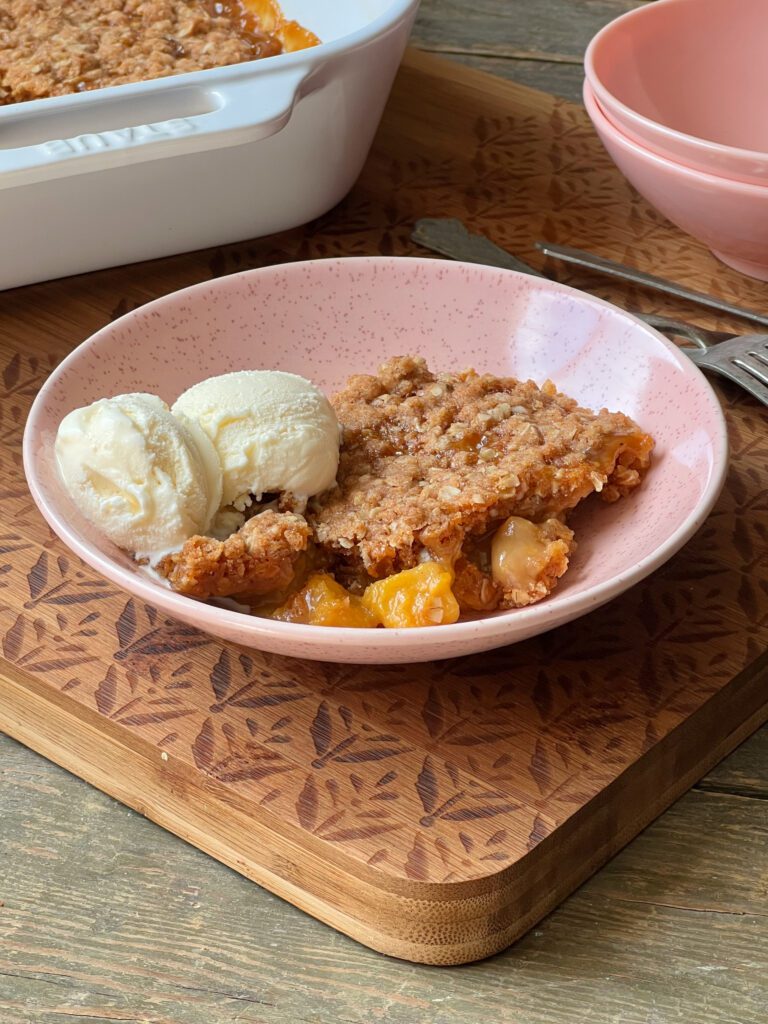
<point x="599" y="116"/>
<point x="546" y="614"/>
<point x="608" y="100"/>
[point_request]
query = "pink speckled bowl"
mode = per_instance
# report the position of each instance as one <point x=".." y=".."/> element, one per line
<point x="730" y="217"/>
<point x="330" y="318"/>
<point x="687" y="79"/>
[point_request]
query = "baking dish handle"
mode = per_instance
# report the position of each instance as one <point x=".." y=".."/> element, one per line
<point x="244" y="109"/>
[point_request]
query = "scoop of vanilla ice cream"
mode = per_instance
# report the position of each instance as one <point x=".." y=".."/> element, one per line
<point x="147" y="479"/>
<point x="273" y="431"/>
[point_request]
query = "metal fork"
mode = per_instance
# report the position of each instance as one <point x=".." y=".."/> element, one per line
<point x="743" y="359"/>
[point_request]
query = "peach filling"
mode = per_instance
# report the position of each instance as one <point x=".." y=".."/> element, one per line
<point x="518" y="554"/>
<point x="524" y="558"/>
<point x="415" y="597"/>
<point x="324" y="602"/>
<point x="421" y="596"/>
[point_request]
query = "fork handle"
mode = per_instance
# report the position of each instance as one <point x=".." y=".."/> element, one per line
<point x="698" y="336"/>
<point x="613" y="269"/>
<point x="450" y="237"/>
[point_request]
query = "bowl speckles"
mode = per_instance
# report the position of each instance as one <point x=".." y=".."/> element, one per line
<point x="326" y="319"/>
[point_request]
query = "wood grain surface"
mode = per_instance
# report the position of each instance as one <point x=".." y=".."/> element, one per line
<point x="125" y="934"/>
<point x="539" y="44"/>
<point x="109" y="918"/>
<point x="437" y="813"/>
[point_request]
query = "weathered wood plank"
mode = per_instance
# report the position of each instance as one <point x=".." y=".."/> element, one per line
<point x="108" y="917"/>
<point x="549" y="76"/>
<point x="708" y="852"/>
<point x="553" y="30"/>
<point x="745" y="771"/>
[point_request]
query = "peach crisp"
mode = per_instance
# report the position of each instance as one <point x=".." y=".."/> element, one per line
<point x="452" y="498"/>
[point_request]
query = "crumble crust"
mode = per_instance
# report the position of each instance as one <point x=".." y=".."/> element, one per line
<point x="429" y="460"/>
<point x="54" y="47"/>
<point x="430" y="467"/>
<point x="260" y="558"/>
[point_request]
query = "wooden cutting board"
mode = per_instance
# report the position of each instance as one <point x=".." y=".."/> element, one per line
<point x="434" y="812"/>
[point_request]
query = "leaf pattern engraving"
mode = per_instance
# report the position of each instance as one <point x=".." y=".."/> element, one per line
<point x="539" y="831"/>
<point x="417" y="863"/>
<point x="221" y="675"/>
<point x="13" y="639"/>
<point x="11" y="372"/>
<point x="320" y="729"/>
<point x="337" y="739"/>
<point x="38" y="576"/>
<point x="240" y="683"/>
<point x="427" y="786"/>
<point x="226" y="754"/>
<point x="168" y="637"/>
<point x="41" y="647"/>
<point x="307" y="804"/>
<point x="202" y="746"/>
<point x="50" y="582"/>
<point x="126" y="624"/>
<point x="540" y="768"/>
<point x="430" y="773"/>
<point x="319" y="810"/>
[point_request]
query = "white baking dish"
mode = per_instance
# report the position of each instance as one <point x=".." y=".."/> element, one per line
<point x="137" y="171"/>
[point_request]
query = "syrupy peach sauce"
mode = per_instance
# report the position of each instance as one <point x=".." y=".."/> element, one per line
<point x="264" y="26"/>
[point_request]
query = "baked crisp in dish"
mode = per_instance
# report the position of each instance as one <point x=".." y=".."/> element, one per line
<point x="451" y="497"/>
<point x="55" y="47"/>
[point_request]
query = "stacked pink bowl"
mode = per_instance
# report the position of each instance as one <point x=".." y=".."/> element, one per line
<point x="678" y="93"/>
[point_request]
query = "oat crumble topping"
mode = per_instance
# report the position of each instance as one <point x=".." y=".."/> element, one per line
<point x="55" y="47"/>
<point x="429" y="460"/>
<point x="467" y="471"/>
